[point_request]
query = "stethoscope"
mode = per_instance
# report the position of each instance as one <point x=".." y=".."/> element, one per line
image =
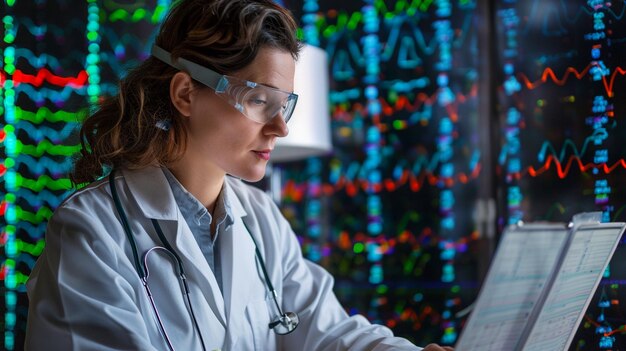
<point x="285" y="323"/>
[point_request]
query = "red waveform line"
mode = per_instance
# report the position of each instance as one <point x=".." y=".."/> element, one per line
<point x="562" y="172"/>
<point x="427" y="237"/>
<point x="403" y="103"/>
<point x="591" y="321"/>
<point x="621" y="329"/>
<point x="418" y="320"/>
<point x="296" y="192"/>
<point x="387" y="245"/>
<point x="548" y="73"/>
<point x="609" y="87"/>
<point x="44" y="75"/>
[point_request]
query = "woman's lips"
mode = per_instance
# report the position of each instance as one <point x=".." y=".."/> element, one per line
<point x="263" y="154"/>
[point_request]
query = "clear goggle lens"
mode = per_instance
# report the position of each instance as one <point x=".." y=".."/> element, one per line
<point x="258" y="102"/>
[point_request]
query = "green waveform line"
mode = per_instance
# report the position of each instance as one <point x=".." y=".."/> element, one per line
<point x="403" y="7"/>
<point x="139" y="15"/>
<point x="32" y="249"/>
<point x="16" y="279"/>
<point x="410" y="216"/>
<point x="46" y="147"/>
<point x="44" y="114"/>
<point x="351" y="21"/>
<point x="43" y="182"/>
<point x="43" y="214"/>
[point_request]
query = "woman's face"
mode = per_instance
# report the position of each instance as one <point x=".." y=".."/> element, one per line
<point x="221" y="139"/>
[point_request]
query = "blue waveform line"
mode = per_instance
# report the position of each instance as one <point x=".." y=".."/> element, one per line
<point x="418" y="36"/>
<point x="68" y="60"/>
<point x="27" y="258"/>
<point x="597" y="137"/>
<point x="113" y="60"/>
<point x="423" y="164"/>
<point x="590" y="12"/>
<point x="35" y="61"/>
<point x="140" y="46"/>
<point x="337" y="97"/>
<point x="425" y="115"/>
<point x="43" y="198"/>
<point x="55" y="96"/>
<point x="109" y="89"/>
<point x="117" y="66"/>
<point x="59" y="33"/>
<point x="402" y="86"/>
<point x="512" y="145"/>
<point x="414" y="36"/>
<point x="429" y="165"/>
<point x="341" y="67"/>
<point x="558" y="57"/>
<point x="41" y="132"/>
<point x="44" y="165"/>
<point x="618" y="41"/>
<point x="538" y="8"/>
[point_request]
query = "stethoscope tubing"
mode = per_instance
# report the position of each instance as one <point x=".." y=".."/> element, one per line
<point x="142" y="270"/>
<point x="289" y="319"/>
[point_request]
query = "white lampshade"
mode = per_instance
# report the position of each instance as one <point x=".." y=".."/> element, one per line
<point x="309" y="127"/>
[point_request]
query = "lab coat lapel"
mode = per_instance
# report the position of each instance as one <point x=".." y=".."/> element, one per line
<point x="161" y="205"/>
<point x="239" y="269"/>
<point x="196" y="265"/>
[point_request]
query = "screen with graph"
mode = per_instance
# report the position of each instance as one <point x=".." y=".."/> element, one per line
<point x="561" y="100"/>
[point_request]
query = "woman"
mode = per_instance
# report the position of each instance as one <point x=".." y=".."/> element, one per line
<point x="167" y="251"/>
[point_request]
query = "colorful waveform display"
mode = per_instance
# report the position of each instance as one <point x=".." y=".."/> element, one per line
<point x="392" y="200"/>
<point x="561" y="106"/>
<point x="52" y="70"/>
<point x="389" y="213"/>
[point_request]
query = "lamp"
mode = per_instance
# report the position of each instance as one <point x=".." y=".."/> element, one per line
<point x="309" y="128"/>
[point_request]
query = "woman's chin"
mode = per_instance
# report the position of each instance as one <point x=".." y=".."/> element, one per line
<point x="250" y="176"/>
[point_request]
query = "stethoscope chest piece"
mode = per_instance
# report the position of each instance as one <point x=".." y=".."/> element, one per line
<point x="285" y="323"/>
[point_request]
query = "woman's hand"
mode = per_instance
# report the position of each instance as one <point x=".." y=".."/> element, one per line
<point x="435" y="347"/>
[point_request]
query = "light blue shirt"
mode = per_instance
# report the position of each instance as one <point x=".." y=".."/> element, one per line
<point x="199" y="221"/>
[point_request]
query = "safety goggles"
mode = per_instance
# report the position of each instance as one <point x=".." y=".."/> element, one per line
<point x="256" y="101"/>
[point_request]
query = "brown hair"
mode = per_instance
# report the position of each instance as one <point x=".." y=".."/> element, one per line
<point x="224" y="35"/>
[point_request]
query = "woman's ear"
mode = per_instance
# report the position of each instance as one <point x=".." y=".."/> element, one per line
<point x="181" y="88"/>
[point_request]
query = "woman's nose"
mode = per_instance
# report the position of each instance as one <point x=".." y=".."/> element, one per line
<point x="277" y="126"/>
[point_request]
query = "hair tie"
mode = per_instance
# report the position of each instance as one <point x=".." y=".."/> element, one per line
<point x="164" y="124"/>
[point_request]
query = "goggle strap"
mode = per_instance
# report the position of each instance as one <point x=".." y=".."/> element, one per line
<point x="202" y="74"/>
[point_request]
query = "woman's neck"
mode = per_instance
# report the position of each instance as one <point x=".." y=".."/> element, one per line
<point x="204" y="184"/>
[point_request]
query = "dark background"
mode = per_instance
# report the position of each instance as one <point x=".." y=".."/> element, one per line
<point x="483" y="115"/>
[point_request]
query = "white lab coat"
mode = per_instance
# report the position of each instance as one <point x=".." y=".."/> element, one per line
<point x="85" y="293"/>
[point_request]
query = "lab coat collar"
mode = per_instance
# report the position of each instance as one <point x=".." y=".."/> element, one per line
<point x="144" y="184"/>
<point x="152" y="192"/>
